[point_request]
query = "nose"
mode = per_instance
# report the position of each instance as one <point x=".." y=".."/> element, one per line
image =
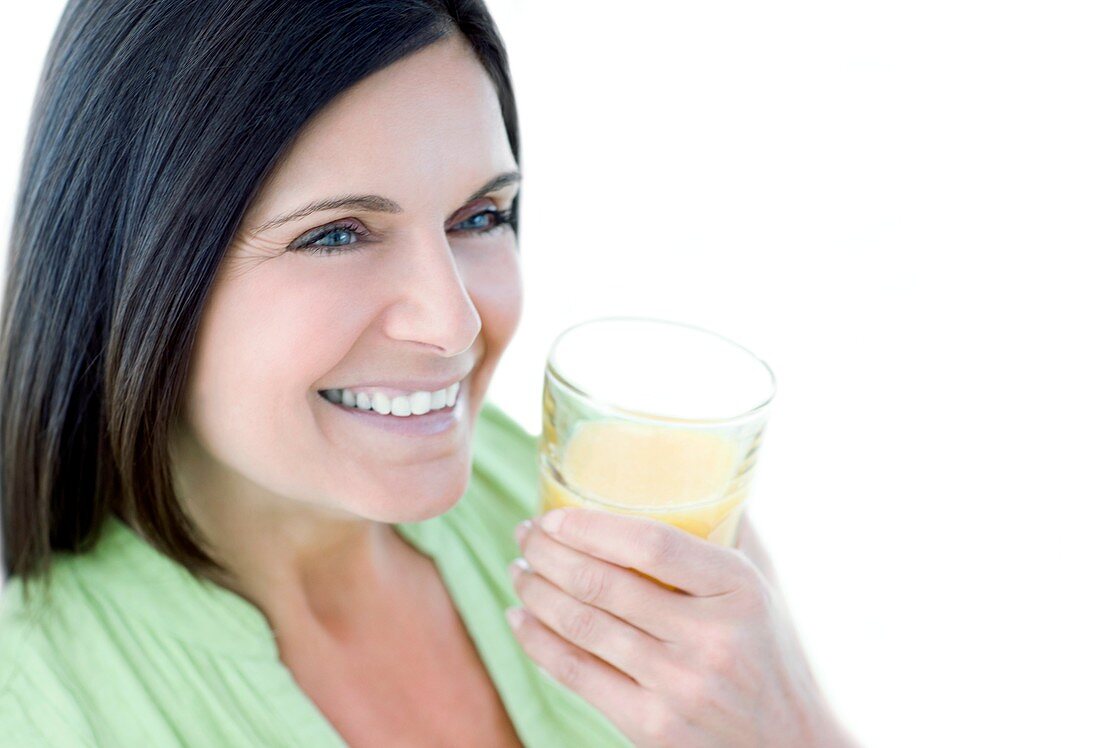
<point x="434" y="308"/>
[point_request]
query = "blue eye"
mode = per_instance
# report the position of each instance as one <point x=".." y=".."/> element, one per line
<point x="332" y="239"/>
<point x="493" y="220"/>
<point x="499" y="219"/>
<point x="336" y="242"/>
<point x="344" y="236"/>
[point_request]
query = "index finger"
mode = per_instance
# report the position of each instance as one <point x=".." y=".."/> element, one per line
<point x="659" y="550"/>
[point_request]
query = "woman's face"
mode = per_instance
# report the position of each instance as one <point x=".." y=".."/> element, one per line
<point x="356" y="296"/>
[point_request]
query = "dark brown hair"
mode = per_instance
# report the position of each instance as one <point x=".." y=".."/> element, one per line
<point x="154" y="125"/>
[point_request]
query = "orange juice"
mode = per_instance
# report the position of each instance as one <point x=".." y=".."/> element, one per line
<point x="693" y="479"/>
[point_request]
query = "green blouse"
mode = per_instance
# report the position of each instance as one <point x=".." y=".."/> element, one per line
<point x="134" y="651"/>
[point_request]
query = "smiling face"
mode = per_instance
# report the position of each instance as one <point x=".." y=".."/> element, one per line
<point x="416" y="282"/>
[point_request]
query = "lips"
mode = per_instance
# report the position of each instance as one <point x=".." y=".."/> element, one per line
<point x="434" y="422"/>
<point x="417" y="403"/>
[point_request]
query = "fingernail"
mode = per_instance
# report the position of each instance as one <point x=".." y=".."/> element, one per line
<point x="519" y="566"/>
<point x="522" y="529"/>
<point x="514" y="616"/>
<point x="551" y="521"/>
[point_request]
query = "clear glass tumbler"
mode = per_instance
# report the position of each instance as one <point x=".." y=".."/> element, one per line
<point x="655" y="418"/>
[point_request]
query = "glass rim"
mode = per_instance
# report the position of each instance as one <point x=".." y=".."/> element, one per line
<point x="654" y="418"/>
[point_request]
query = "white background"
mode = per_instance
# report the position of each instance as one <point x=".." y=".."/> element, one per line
<point x="895" y="205"/>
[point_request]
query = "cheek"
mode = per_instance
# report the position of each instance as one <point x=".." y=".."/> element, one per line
<point x="495" y="285"/>
<point x="259" y="337"/>
<point x="253" y="366"/>
<point x="268" y="335"/>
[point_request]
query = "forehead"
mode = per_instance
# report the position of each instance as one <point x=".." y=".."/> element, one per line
<point x="431" y="116"/>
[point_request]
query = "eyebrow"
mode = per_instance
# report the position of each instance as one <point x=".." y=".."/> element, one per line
<point x="377" y="203"/>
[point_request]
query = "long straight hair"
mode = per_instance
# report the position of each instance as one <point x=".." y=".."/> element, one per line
<point x="154" y="126"/>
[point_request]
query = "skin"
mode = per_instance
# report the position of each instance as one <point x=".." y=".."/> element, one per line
<point x="294" y="496"/>
<point x="713" y="661"/>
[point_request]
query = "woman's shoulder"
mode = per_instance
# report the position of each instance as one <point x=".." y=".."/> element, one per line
<point x="78" y="644"/>
<point x="39" y="625"/>
<point x="27" y="720"/>
<point x="28" y="626"/>
<point x="39" y="703"/>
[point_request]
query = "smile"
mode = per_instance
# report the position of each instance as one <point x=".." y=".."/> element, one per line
<point x="403" y="417"/>
<point x="412" y="404"/>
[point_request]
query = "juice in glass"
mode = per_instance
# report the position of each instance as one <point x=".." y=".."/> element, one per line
<point x="652" y="418"/>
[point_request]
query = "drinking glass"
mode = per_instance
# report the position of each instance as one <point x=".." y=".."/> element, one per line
<point x="655" y="418"/>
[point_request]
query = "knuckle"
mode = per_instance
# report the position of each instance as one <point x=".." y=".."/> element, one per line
<point x="702" y="690"/>
<point x="701" y="697"/>
<point x="738" y="558"/>
<point x="573" y="524"/>
<point x="659" y="725"/>
<point x="748" y="592"/>
<point x="719" y="656"/>
<point x="589" y="584"/>
<point x="658" y="544"/>
<point x="752" y="595"/>
<point x="567" y="670"/>
<point x="580" y="625"/>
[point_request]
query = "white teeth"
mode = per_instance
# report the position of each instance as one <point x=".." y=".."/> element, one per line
<point x="415" y="403"/>
<point x="401" y="406"/>
<point x="381" y="403"/>
<point x="439" y="398"/>
<point x="421" y="402"/>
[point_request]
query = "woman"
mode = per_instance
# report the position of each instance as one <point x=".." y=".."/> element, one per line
<point x="263" y="268"/>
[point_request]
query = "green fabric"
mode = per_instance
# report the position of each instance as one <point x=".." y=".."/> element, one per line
<point x="134" y="651"/>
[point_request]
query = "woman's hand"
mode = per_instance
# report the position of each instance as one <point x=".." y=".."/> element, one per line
<point x="715" y="662"/>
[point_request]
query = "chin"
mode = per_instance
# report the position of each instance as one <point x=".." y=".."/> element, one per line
<point x="434" y="491"/>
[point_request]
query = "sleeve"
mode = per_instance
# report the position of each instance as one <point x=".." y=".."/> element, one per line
<point x="36" y="707"/>
<point x="27" y="721"/>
